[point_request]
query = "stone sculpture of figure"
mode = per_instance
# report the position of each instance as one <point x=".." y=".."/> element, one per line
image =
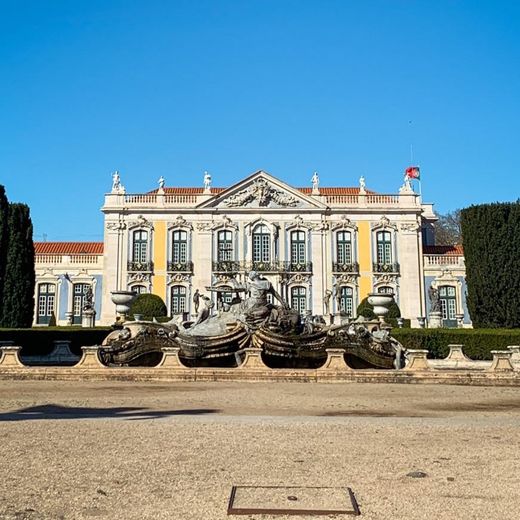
<point x="362" y="184"/>
<point x="207" y="180"/>
<point x="161" y="182"/>
<point x="116" y="182"/>
<point x="326" y="301"/>
<point x="196" y="300"/>
<point x="88" y="299"/>
<point x="435" y="301"/>
<point x="315" y="181"/>
<point x="205" y="311"/>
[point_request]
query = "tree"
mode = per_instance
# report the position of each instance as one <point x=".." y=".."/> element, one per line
<point x="18" y="295"/>
<point x="4" y="215"/>
<point x="367" y="310"/>
<point x="447" y="229"/>
<point x="492" y="254"/>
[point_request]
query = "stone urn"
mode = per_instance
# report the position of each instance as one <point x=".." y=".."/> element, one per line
<point x="380" y="302"/>
<point x="123" y="300"/>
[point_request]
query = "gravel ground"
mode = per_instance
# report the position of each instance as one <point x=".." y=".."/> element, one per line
<point x="156" y="451"/>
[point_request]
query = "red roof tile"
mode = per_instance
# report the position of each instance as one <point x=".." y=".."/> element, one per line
<point x="455" y="250"/>
<point x="68" y="248"/>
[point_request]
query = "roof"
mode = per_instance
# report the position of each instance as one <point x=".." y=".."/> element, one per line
<point x="454" y="250"/>
<point x="68" y="248"/>
<point x="325" y="190"/>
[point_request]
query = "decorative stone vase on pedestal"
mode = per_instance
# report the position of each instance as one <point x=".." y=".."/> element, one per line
<point x="69" y="315"/>
<point x="123" y="300"/>
<point x="435" y="320"/>
<point x="380" y="302"/>
<point x="88" y="318"/>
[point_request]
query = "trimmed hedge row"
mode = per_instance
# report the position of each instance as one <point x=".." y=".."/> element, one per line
<point x="39" y="341"/>
<point x="478" y="343"/>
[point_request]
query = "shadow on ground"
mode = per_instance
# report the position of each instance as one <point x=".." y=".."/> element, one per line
<point x="54" y="411"/>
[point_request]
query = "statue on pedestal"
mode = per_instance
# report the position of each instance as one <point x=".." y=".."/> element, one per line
<point x="207" y="181"/>
<point x="315" y="181"/>
<point x="435" y="301"/>
<point x="362" y="184"/>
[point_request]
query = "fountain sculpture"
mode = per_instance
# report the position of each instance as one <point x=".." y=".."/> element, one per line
<point x="219" y="337"/>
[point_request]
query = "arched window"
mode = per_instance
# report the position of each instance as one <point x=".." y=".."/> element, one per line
<point x="346" y="301"/>
<point x="385" y="289"/>
<point x="344" y="247"/>
<point x="78" y="301"/>
<point x="140" y="246"/>
<point x="179" y="246"/>
<point x="46" y="300"/>
<point x="139" y="289"/>
<point x="298" y="247"/>
<point x="178" y="299"/>
<point x="261" y="244"/>
<point x="224" y="245"/>
<point x="299" y="299"/>
<point x="384" y="247"/>
<point x="448" y="297"/>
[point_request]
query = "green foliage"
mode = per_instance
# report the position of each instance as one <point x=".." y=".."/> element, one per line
<point x="39" y="340"/>
<point x="492" y="254"/>
<point x="478" y="343"/>
<point x="18" y="292"/>
<point x="367" y="310"/>
<point x="4" y="215"/>
<point x="149" y="306"/>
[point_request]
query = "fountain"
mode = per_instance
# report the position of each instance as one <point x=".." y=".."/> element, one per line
<point x="220" y="337"/>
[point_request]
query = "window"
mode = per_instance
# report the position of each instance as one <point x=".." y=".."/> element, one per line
<point x="78" y="301"/>
<point x="299" y="299"/>
<point x="447" y="295"/>
<point x="261" y="244"/>
<point x="179" y="246"/>
<point x="139" y="289"/>
<point x="344" y="247"/>
<point x="346" y="301"/>
<point x="384" y="247"/>
<point x="385" y="290"/>
<point x="224" y="246"/>
<point x="298" y="247"/>
<point x="46" y="299"/>
<point x="140" y="246"/>
<point x="178" y="301"/>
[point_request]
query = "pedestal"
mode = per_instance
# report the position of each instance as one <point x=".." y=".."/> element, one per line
<point x="9" y="356"/>
<point x="69" y="316"/>
<point x="501" y="361"/>
<point x="335" y="360"/>
<point x="90" y="358"/>
<point x="435" y="320"/>
<point x="253" y="359"/>
<point x="515" y="353"/>
<point x="417" y="360"/>
<point x="170" y="358"/>
<point x="456" y="353"/>
<point x="88" y="318"/>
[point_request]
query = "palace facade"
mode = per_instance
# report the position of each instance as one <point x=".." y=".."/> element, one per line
<point x="323" y="248"/>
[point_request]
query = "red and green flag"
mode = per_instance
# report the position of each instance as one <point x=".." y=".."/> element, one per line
<point x="412" y="172"/>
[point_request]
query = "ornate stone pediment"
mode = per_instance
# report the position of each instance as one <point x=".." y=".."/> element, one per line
<point x="261" y="190"/>
<point x="178" y="278"/>
<point x="346" y="278"/>
<point x="385" y="278"/>
<point x="139" y="277"/>
<point x="180" y="222"/>
<point x="140" y="222"/>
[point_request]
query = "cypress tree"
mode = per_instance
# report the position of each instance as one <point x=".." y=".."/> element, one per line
<point x="4" y="215"/>
<point x="19" y="282"/>
<point x="491" y="240"/>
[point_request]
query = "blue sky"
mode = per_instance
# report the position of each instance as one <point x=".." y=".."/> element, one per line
<point x="174" y="88"/>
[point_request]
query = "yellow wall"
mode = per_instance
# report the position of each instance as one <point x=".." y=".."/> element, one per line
<point x="159" y="259"/>
<point x="365" y="259"/>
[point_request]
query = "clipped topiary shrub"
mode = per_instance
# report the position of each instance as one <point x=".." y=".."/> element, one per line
<point x="149" y="306"/>
<point x="478" y="343"/>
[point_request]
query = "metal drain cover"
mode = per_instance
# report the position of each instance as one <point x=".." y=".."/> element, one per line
<point x="292" y="500"/>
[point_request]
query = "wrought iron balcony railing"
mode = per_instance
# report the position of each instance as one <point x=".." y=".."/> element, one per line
<point x="180" y="267"/>
<point x="146" y="267"/>
<point x="338" y="267"/>
<point x="274" y="266"/>
<point x="383" y="267"/>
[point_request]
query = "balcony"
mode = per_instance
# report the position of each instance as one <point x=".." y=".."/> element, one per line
<point x="275" y="266"/>
<point x="345" y="268"/>
<point x="180" y="267"/>
<point x="140" y="267"/>
<point x="384" y="267"/>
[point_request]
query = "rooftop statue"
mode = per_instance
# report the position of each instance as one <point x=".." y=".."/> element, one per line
<point x="207" y="181"/>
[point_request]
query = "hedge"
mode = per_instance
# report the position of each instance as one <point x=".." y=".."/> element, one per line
<point x="148" y="305"/>
<point x="39" y="341"/>
<point x="478" y="343"/>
